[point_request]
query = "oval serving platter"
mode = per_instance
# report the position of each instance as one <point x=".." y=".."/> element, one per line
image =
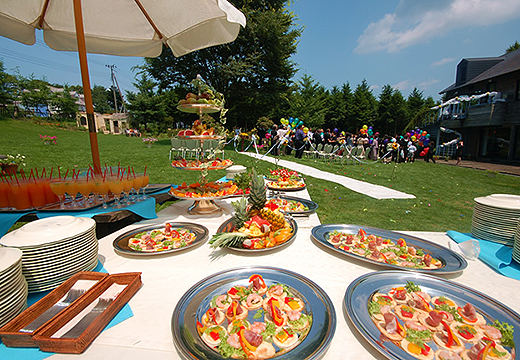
<point x="308" y="203"/>
<point x="196" y="301"/>
<point x="227" y="226"/>
<point x="452" y="262"/>
<point x="120" y="244"/>
<point x="360" y="291"/>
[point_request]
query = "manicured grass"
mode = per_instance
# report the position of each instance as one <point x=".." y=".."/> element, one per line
<point x="444" y="194"/>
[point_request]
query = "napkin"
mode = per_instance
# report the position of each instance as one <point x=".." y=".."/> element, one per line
<point x="496" y="256"/>
<point x="37" y="354"/>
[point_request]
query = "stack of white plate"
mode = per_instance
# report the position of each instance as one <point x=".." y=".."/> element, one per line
<point x="495" y="218"/>
<point x="54" y="249"/>
<point x="516" y="246"/>
<point x="13" y="287"/>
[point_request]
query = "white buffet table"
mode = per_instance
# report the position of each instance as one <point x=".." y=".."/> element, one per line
<point x="147" y="335"/>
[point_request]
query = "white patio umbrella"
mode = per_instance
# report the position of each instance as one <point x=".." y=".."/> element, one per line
<point x="120" y="27"/>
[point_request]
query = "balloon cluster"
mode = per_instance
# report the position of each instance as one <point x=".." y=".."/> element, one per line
<point x="367" y="130"/>
<point x="293" y="123"/>
<point x="421" y="137"/>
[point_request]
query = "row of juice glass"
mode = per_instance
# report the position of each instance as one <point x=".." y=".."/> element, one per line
<point x="41" y="192"/>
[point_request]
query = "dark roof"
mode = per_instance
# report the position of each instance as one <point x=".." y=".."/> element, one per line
<point x="509" y="63"/>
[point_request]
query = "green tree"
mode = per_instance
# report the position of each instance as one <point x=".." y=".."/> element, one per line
<point x="8" y="87"/>
<point x="339" y="107"/>
<point x="102" y="99"/>
<point x="513" y="47"/>
<point x="364" y="107"/>
<point x="35" y="94"/>
<point x="254" y="72"/>
<point x="64" y="104"/>
<point x="308" y="102"/>
<point x="146" y="107"/>
<point x="415" y="103"/>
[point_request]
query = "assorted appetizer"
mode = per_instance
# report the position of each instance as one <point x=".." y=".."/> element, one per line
<point x="200" y="165"/>
<point x="383" y="250"/>
<point x="284" y="174"/>
<point x="207" y="190"/>
<point x="255" y="321"/>
<point x="256" y="224"/>
<point x="285" y="184"/>
<point x="438" y="327"/>
<point x="287" y="205"/>
<point x="161" y="239"/>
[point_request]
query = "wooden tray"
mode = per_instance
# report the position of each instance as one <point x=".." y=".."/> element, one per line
<point x="10" y="334"/>
<point x="78" y="345"/>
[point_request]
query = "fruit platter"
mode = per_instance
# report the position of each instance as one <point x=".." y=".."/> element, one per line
<point x="254" y="313"/>
<point x="215" y="164"/>
<point x="198" y="131"/>
<point x="255" y="225"/>
<point x="158" y="239"/>
<point x="285" y="174"/>
<point x="293" y="205"/>
<point x="283" y="184"/>
<point x="204" y="195"/>
<point x="411" y="316"/>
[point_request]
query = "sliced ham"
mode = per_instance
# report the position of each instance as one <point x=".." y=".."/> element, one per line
<point x="253" y="338"/>
<point x="434" y="318"/>
<point x="390" y="323"/>
<point x="469" y="312"/>
<point x="400" y="294"/>
<point x="372" y="245"/>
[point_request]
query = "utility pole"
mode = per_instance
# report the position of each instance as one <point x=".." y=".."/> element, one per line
<point x="114" y="85"/>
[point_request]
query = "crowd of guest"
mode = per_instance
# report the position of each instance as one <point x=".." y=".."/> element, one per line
<point x="387" y="148"/>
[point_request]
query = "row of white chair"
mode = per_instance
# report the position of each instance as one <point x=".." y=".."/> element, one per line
<point x="194" y="148"/>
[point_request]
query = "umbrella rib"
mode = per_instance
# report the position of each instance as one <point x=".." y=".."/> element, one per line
<point x="143" y="10"/>
<point x="42" y="15"/>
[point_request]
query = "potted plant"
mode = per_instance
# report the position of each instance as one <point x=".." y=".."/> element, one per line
<point x="149" y="141"/>
<point x="48" y="140"/>
<point x="12" y="162"/>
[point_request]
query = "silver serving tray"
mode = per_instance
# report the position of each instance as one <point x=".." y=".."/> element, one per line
<point x="452" y="261"/>
<point x="228" y="225"/>
<point x="310" y="204"/>
<point x="285" y="189"/>
<point x="196" y="301"/>
<point x="120" y="244"/>
<point x="361" y="290"/>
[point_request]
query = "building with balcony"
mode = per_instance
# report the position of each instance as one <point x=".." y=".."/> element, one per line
<point x="483" y="105"/>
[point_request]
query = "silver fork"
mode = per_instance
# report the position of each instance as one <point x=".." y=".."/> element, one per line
<point x="78" y="329"/>
<point x="54" y="310"/>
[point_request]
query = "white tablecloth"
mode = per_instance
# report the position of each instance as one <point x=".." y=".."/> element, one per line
<point x="147" y="335"/>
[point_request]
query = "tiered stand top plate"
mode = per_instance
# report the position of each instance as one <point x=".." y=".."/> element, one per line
<point x="199" y="108"/>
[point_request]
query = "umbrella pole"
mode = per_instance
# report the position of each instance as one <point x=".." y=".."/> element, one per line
<point x="82" y="52"/>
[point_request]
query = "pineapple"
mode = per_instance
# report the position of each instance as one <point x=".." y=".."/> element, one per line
<point x="275" y="217"/>
<point x="257" y="195"/>
<point x="241" y="213"/>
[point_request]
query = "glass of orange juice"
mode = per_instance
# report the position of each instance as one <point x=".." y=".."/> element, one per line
<point x="84" y="187"/>
<point x="72" y="190"/>
<point x="101" y="189"/>
<point x="116" y="186"/>
<point x="58" y="188"/>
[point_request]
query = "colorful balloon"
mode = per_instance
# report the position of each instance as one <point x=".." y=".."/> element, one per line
<point x="365" y="127"/>
<point x="305" y="130"/>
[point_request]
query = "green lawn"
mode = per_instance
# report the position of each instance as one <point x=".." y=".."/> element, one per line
<point x="444" y="194"/>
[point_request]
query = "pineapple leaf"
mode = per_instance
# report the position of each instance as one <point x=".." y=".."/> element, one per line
<point x="233" y="239"/>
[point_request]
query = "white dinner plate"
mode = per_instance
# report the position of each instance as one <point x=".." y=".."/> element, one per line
<point x="8" y="258"/>
<point x="504" y="201"/>
<point x="47" y="231"/>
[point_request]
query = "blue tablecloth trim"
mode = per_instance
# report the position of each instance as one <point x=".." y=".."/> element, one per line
<point x="37" y="354"/>
<point x="145" y="209"/>
<point x="496" y="256"/>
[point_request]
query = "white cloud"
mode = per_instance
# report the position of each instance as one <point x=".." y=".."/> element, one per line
<point x="374" y="87"/>
<point x="443" y="61"/>
<point x="419" y="21"/>
<point x="403" y="85"/>
<point x="426" y="84"/>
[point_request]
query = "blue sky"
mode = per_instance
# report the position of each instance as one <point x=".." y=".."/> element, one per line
<point x="402" y="43"/>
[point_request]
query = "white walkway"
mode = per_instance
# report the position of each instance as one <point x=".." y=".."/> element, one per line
<point x="375" y="191"/>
